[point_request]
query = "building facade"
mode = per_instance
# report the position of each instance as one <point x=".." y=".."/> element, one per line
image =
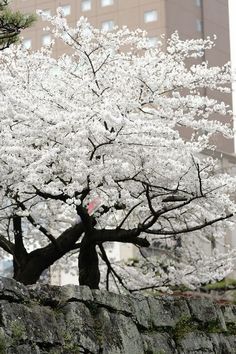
<point x="192" y="19"/>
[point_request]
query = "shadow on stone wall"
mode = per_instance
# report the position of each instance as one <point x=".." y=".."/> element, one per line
<point x="73" y="319"/>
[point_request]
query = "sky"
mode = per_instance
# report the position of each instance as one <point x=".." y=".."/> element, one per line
<point x="232" y="23"/>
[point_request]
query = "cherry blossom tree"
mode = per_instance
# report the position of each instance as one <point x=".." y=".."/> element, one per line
<point x="92" y="152"/>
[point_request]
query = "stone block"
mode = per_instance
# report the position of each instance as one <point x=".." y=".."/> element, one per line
<point x="221" y="344"/>
<point x="195" y="342"/>
<point x="59" y="295"/>
<point x="13" y="291"/>
<point x="229" y="313"/>
<point x="75" y="292"/>
<point x="140" y="310"/>
<point x="207" y="312"/>
<point x="24" y="349"/>
<point x="232" y="341"/>
<point x="112" y="301"/>
<point x="36" y="324"/>
<point x="78" y="330"/>
<point x="159" y="343"/>
<point x="168" y="311"/>
<point x="118" y="334"/>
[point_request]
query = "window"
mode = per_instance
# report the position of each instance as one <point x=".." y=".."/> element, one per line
<point x="86" y="5"/>
<point x="106" y="3"/>
<point x="199" y="26"/>
<point x="47" y="12"/>
<point x="46" y="40"/>
<point x="150" y="16"/>
<point x="152" y="41"/>
<point x="66" y="9"/>
<point x="108" y="25"/>
<point x="198" y="3"/>
<point x="27" y="43"/>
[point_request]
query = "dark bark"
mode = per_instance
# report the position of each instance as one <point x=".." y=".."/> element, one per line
<point x="88" y="259"/>
<point x="89" y="273"/>
<point x="6" y="245"/>
<point x="28" y="269"/>
<point x="20" y="254"/>
<point x="121" y="235"/>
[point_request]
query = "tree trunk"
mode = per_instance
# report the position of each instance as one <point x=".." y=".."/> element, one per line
<point x="89" y="273"/>
<point x="88" y="258"/>
<point x="28" y="270"/>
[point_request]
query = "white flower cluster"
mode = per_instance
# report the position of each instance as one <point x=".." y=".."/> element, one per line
<point x="110" y="119"/>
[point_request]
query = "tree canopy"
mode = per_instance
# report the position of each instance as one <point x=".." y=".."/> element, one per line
<point x="103" y="126"/>
<point x="11" y="24"/>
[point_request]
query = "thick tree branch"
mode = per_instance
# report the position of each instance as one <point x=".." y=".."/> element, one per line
<point x="164" y="210"/>
<point x="188" y="228"/>
<point x="120" y="235"/>
<point x="6" y="245"/>
<point x="19" y="249"/>
<point x="42" y="258"/>
<point x="87" y="220"/>
<point x="66" y="241"/>
<point x="63" y="197"/>
<point x="36" y="224"/>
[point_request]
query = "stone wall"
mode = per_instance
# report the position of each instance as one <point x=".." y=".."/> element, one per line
<point x="72" y="320"/>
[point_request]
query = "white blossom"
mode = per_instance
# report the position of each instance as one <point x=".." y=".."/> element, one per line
<point x="110" y="118"/>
